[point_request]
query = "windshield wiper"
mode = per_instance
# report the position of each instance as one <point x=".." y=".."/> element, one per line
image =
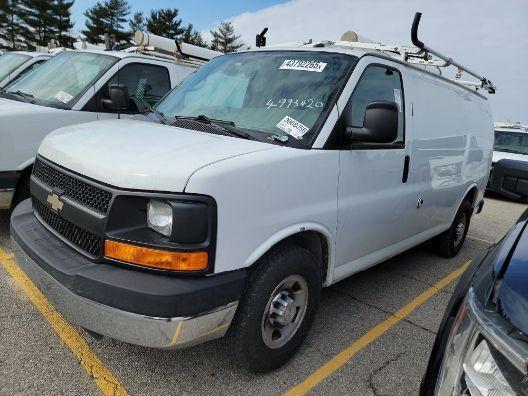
<point x="23" y="95"/>
<point x="150" y="109"/>
<point x="157" y="113"/>
<point x="227" y="126"/>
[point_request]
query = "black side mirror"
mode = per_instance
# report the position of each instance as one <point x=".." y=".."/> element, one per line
<point x="380" y="125"/>
<point x="119" y="98"/>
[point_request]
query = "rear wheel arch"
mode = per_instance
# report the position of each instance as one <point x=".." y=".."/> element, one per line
<point x="472" y="195"/>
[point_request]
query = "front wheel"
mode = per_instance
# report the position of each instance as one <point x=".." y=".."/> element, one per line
<point x="449" y="243"/>
<point x="278" y="308"/>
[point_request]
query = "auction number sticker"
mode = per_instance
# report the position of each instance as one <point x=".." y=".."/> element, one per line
<point x="64" y="97"/>
<point x="304" y="65"/>
<point x="292" y="127"/>
<point x="287" y="103"/>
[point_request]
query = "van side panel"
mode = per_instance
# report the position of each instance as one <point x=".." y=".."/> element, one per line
<point x="450" y="147"/>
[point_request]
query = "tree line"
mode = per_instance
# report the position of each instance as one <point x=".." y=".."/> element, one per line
<point x="26" y="24"/>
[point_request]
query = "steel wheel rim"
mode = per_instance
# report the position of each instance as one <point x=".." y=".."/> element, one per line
<point x="460" y="229"/>
<point x="284" y="311"/>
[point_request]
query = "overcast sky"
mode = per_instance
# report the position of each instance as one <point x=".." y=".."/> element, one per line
<point x="490" y="37"/>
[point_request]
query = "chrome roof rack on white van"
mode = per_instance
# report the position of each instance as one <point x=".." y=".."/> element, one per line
<point x="178" y="51"/>
<point x="422" y="55"/>
<point x="419" y="55"/>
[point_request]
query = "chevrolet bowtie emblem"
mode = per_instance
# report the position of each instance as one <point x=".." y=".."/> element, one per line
<point x="55" y="202"/>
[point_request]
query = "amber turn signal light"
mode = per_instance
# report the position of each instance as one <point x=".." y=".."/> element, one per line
<point x="154" y="258"/>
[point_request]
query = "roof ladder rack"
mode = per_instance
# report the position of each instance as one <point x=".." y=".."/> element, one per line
<point x="485" y="83"/>
<point x="150" y="44"/>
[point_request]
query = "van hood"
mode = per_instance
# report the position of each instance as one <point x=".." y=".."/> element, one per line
<point x="24" y="125"/>
<point x="10" y="106"/>
<point x="140" y="155"/>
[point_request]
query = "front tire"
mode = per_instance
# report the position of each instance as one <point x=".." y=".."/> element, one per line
<point x="449" y="243"/>
<point x="278" y="308"/>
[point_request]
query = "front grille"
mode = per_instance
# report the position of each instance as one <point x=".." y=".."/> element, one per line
<point x="83" y="193"/>
<point x="83" y="239"/>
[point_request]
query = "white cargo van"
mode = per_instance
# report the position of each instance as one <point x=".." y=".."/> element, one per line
<point x="15" y="64"/>
<point x="75" y="87"/>
<point x="278" y="171"/>
<point x="509" y="170"/>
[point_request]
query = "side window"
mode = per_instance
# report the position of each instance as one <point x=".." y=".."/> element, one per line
<point x="377" y="83"/>
<point x="144" y="82"/>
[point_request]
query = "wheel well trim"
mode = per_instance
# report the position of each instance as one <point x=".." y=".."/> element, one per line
<point x="471" y="187"/>
<point x="292" y="230"/>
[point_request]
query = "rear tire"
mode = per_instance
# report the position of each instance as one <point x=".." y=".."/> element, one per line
<point x="449" y="243"/>
<point x="277" y="310"/>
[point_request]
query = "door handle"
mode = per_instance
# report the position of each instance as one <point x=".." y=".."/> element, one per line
<point x="406" y="162"/>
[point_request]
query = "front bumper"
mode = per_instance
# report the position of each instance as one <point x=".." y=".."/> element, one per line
<point x="97" y="296"/>
<point x="509" y="178"/>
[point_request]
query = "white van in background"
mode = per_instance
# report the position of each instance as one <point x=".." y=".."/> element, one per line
<point x="75" y="87"/>
<point x="15" y="64"/>
<point x="278" y="171"/>
<point x="509" y="172"/>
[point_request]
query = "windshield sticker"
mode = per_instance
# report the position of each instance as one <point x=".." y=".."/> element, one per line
<point x="398" y="99"/>
<point x="292" y="127"/>
<point x="288" y="103"/>
<point x="303" y="65"/>
<point x="64" y="97"/>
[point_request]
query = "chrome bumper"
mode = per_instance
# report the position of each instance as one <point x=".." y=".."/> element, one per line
<point x="6" y="197"/>
<point x="164" y="333"/>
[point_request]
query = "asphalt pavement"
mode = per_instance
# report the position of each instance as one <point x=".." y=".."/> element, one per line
<point x="34" y="359"/>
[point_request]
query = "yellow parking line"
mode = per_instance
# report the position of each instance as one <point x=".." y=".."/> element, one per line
<point x="373" y="334"/>
<point x="480" y="240"/>
<point x="105" y="380"/>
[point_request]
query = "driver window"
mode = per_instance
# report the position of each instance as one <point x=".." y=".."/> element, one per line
<point x="377" y="83"/>
<point x="145" y="83"/>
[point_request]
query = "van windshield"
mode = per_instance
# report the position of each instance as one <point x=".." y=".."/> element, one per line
<point x="511" y="142"/>
<point x="9" y="62"/>
<point x="277" y="92"/>
<point x="61" y="80"/>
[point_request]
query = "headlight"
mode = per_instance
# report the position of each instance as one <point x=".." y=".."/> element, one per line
<point x="482" y="358"/>
<point x="159" y="217"/>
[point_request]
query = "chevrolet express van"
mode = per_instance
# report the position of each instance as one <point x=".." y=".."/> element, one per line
<point x="71" y="88"/>
<point x="271" y="174"/>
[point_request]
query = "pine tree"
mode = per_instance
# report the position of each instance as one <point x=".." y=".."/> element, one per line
<point x="64" y="23"/>
<point x="165" y="22"/>
<point x="193" y="37"/>
<point x="137" y="22"/>
<point x="4" y="23"/>
<point x="40" y="19"/>
<point x="224" y="38"/>
<point x="107" y="17"/>
<point x="12" y="30"/>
